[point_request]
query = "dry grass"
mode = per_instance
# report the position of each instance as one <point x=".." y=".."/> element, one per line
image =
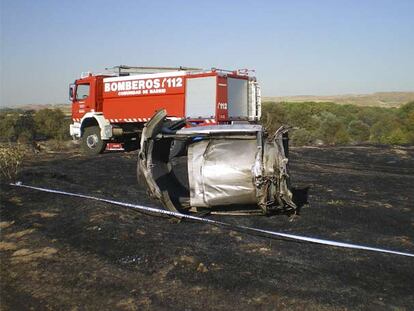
<point x="11" y="157"/>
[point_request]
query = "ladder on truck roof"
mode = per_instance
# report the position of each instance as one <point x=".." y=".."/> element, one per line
<point x="124" y="70"/>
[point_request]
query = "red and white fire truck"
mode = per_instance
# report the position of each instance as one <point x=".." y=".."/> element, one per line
<point x="109" y="110"/>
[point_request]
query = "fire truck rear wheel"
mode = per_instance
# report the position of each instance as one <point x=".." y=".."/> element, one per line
<point x="92" y="142"/>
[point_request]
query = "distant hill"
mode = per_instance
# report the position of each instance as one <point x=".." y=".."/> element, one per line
<point x="380" y="99"/>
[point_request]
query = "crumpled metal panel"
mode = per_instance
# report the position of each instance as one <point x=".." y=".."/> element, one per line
<point x="226" y="165"/>
<point x="273" y="183"/>
<point x="220" y="172"/>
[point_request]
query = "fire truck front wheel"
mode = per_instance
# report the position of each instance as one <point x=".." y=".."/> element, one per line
<point x="92" y="142"/>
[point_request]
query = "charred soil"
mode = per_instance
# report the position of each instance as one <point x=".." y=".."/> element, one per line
<point x="64" y="253"/>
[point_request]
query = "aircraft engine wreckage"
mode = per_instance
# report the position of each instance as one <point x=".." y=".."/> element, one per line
<point x="218" y="167"/>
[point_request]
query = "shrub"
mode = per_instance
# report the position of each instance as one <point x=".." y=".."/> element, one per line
<point x="273" y="117"/>
<point x="332" y="130"/>
<point x="341" y="136"/>
<point x="7" y="126"/>
<point x="14" y="125"/>
<point x="396" y="137"/>
<point x="25" y="126"/>
<point x="358" y="131"/>
<point x="51" y="123"/>
<point x="382" y="129"/>
<point x="11" y="157"/>
<point x="340" y="124"/>
<point x="301" y="137"/>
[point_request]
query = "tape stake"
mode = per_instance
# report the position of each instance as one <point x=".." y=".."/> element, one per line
<point x="220" y="223"/>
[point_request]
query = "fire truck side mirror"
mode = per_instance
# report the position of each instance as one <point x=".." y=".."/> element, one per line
<point x="71" y="91"/>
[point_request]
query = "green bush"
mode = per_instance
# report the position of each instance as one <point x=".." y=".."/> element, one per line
<point x="301" y="137"/>
<point x="397" y="137"/>
<point x="358" y="131"/>
<point x="332" y="130"/>
<point x="17" y="126"/>
<point x="51" y="123"/>
<point x="341" y="124"/>
<point x="25" y="126"/>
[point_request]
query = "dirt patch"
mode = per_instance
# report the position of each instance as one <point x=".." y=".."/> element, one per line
<point x="256" y="248"/>
<point x="127" y="304"/>
<point x="7" y="246"/>
<point x="69" y="253"/>
<point x="26" y="255"/>
<point x="99" y="217"/>
<point x="187" y="259"/>
<point x="236" y="235"/>
<point x="19" y="234"/>
<point x="6" y="224"/>
<point x="16" y="200"/>
<point x="44" y="214"/>
<point x="202" y="268"/>
<point x="402" y="153"/>
<point x="403" y="240"/>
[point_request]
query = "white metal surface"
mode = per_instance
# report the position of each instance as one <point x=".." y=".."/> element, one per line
<point x="75" y="129"/>
<point x="258" y="101"/>
<point x="215" y="178"/>
<point x="252" y="101"/>
<point x="104" y="125"/>
<point x="237" y="98"/>
<point x="223" y="128"/>
<point x="146" y="76"/>
<point x="200" y="97"/>
<point x="254" y="104"/>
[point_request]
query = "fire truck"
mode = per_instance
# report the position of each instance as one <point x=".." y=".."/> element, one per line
<point x="109" y="110"/>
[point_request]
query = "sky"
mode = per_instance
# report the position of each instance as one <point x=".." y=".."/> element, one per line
<point x="297" y="47"/>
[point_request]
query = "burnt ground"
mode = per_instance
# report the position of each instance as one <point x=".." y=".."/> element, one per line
<point x="64" y="253"/>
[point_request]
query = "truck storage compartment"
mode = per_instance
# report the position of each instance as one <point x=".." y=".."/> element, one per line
<point x="200" y="97"/>
<point x="237" y="101"/>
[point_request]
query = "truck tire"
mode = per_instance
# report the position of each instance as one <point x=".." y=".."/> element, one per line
<point x="92" y="143"/>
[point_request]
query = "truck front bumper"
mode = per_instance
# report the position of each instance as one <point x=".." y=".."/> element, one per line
<point x="75" y="130"/>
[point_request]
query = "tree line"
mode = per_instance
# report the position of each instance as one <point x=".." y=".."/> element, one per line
<point x="333" y="124"/>
<point x="26" y="126"/>
<point x="313" y="123"/>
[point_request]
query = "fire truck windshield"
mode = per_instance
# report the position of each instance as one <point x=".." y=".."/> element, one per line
<point x="82" y="91"/>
